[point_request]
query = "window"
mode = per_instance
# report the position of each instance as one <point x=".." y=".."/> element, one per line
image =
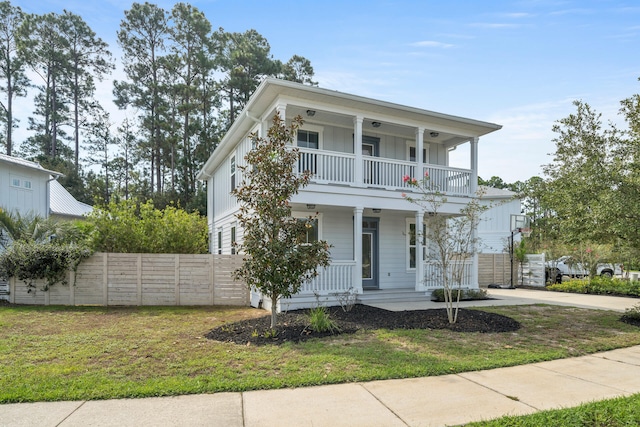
<point x="313" y="233"/>
<point x="15" y="182"/>
<point x="26" y="184"/>
<point x="220" y="241"/>
<point x="233" y="240"/>
<point x="311" y="230"/>
<point x="233" y="172"/>
<point x="411" y="244"/>
<point x="412" y="154"/>
<point x="308" y="139"/>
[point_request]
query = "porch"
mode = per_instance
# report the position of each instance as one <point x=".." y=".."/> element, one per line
<point x="338" y="168"/>
<point x="335" y="284"/>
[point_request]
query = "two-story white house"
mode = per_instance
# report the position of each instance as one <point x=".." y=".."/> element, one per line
<point x="358" y="150"/>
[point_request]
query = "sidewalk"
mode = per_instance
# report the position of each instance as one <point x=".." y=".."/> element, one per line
<point x="432" y="401"/>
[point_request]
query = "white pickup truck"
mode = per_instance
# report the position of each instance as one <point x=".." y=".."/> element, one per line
<point x="569" y="266"/>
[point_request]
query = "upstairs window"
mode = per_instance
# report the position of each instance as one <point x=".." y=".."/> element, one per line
<point x="308" y="139"/>
<point x="412" y="155"/>
<point x="220" y="241"/>
<point x="233" y="172"/>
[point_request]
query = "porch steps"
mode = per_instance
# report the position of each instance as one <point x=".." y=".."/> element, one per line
<point x="392" y="295"/>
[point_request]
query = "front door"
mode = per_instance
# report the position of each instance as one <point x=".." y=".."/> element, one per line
<point x="370" y="253"/>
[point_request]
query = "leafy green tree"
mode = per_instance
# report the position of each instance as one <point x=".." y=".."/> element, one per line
<point x="452" y="238"/>
<point x="142" y="37"/>
<point x="298" y="69"/>
<point x="88" y="60"/>
<point x="245" y="59"/>
<point x="581" y="190"/>
<point x="277" y="262"/>
<point x="12" y="66"/>
<point x="47" y="48"/>
<point x="190" y="35"/>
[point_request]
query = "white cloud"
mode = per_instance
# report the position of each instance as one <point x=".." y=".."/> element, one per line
<point x="431" y="43"/>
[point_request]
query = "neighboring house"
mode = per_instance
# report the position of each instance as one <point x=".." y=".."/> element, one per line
<point x="24" y="186"/>
<point x="28" y="188"/>
<point x="494" y="229"/>
<point x="358" y="149"/>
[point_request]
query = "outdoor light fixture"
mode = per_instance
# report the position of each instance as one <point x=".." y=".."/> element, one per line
<point x="377" y="210"/>
<point x="376" y="124"/>
<point x="311" y="113"/>
<point x="310" y="206"/>
<point x="434" y="134"/>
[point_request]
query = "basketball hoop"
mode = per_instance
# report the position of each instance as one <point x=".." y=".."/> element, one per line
<point x="525" y="231"/>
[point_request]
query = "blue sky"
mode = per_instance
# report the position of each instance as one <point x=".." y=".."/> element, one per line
<point x="516" y="63"/>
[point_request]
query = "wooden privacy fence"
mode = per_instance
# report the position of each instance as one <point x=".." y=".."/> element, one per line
<point x="495" y="268"/>
<point x="144" y="279"/>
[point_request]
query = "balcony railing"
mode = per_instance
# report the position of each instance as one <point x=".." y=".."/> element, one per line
<point x="331" y="167"/>
<point x="328" y="166"/>
<point x="458" y="271"/>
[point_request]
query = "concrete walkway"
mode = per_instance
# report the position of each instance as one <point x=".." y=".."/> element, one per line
<point x="432" y="401"/>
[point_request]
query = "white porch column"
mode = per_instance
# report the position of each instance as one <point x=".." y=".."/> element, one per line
<point x="474" y="166"/>
<point x="357" y="150"/>
<point x="474" y="190"/>
<point x="419" y="149"/>
<point x="419" y="251"/>
<point x="281" y="109"/>
<point x="357" y="248"/>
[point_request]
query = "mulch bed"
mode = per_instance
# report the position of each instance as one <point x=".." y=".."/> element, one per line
<point x="293" y="326"/>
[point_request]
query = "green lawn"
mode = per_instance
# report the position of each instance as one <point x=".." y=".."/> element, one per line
<point x="65" y="353"/>
<point x="620" y="412"/>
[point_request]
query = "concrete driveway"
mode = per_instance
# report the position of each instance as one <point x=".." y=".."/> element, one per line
<point x="525" y="297"/>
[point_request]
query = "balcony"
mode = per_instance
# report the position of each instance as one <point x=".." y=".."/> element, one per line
<point x="331" y="167"/>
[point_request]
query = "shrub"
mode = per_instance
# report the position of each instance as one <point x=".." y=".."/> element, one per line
<point x="465" y="294"/>
<point x="599" y="285"/>
<point x="320" y="321"/>
<point x="29" y="261"/>
<point x="128" y="227"/>
<point x="632" y="314"/>
<point x="577" y="286"/>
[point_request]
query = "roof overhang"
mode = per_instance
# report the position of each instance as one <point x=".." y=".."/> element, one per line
<point x="274" y="91"/>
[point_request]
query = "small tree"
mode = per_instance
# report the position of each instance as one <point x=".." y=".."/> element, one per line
<point x="450" y="238"/>
<point x="278" y="260"/>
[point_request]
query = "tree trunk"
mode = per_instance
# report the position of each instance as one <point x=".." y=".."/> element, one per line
<point x="274" y="312"/>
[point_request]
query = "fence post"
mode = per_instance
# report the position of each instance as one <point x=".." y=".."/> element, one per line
<point x="105" y="279"/>
<point x="12" y="290"/>
<point x="72" y="285"/>
<point x="212" y="270"/>
<point x="139" y="279"/>
<point x="176" y="277"/>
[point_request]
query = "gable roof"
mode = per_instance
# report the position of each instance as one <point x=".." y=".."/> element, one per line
<point x="27" y="164"/>
<point x="271" y="90"/>
<point x="62" y="203"/>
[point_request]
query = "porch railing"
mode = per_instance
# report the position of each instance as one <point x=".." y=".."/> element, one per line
<point x="332" y="167"/>
<point x="338" y="277"/>
<point x="387" y="173"/>
<point x="452" y="181"/>
<point x="327" y="166"/>
<point x="433" y="278"/>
